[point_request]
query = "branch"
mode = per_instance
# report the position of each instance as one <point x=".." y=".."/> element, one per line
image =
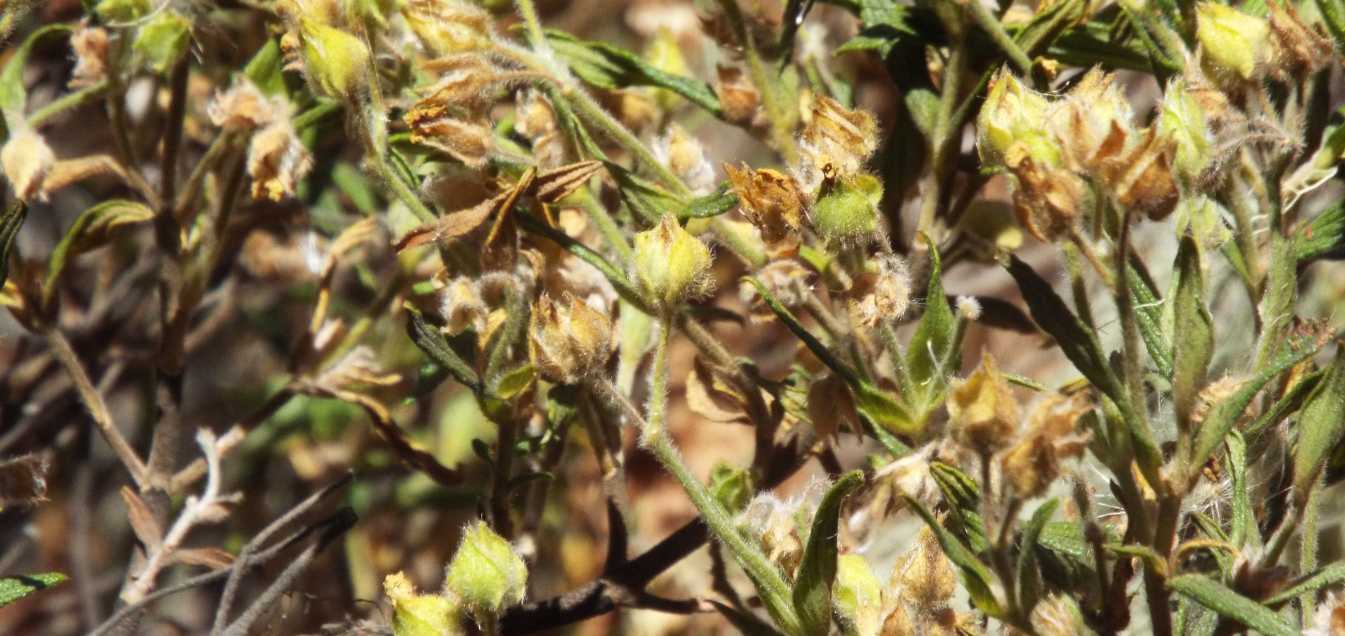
<point x="93" y="400"/>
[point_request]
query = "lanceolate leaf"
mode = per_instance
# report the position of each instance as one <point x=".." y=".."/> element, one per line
<point x="812" y="588"/>
<point x="1320" y="426"/>
<point x="1244" y="524"/>
<point x="609" y="67"/>
<point x="1078" y="343"/>
<point x="1195" y="344"/>
<point x="1028" y="583"/>
<point x="1320" y="236"/>
<point x="963" y="496"/>
<point x="10" y="224"/>
<point x="932" y="341"/>
<point x="433" y="343"/>
<point x="92" y="228"/>
<point x="1227" y="603"/>
<point x="1329" y="575"/>
<point x="13" y="94"/>
<point x="1225" y="414"/>
<point x="1148" y="317"/>
<point x="16" y="587"/>
<point x="646" y="199"/>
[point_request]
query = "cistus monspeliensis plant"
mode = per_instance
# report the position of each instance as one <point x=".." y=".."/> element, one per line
<point x="930" y="317"/>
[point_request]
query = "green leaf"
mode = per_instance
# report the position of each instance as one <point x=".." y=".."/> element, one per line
<point x="427" y="337"/>
<point x="933" y="339"/>
<point x="16" y="587"/>
<point x="91" y="229"/>
<point x="1290" y="402"/>
<point x="163" y="40"/>
<point x="963" y="496"/>
<point x="885" y="25"/>
<point x="1230" y="604"/>
<point x="13" y="94"/>
<point x="509" y="384"/>
<point x="645" y="198"/>
<point x="976" y="576"/>
<point x="1225" y="414"/>
<point x="714" y="204"/>
<point x="1320" y="236"/>
<point x="1193" y="349"/>
<point x="731" y="487"/>
<point x="1067" y="538"/>
<point x="1029" y="584"/>
<point x="609" y="67"/>
<point x="1278" y="298"/>
<point x="1333" y="16"/>
<point x="1321" y="424"/>
<point x="1149" y="319"/>
<point x="1078" y="343"/>
<point x="812" y="587"/>
<point x="10" y="224"/>
<point x="1048" y="24"/>
<point x="266" y="69"/>
<point x="1329" y="575"/>
<point x="1243" y="525"/>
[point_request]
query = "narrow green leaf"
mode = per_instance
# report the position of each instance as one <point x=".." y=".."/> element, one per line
<point x="1067" y="538"/>
<point x="16" y="587"/>
<point x="433" y="343"/>
<point x="10" y="224"/>
<point x="1225" y="414"/>
<point x="1288" y="403"/>
<point x="1029" y="584"/>
<point x="1321" y="424"/>
<point x="509" y="384"/>
<point x="1078" y="343"/>
<point x="1329" y="575"/>
<point x="1322" y="234"/>
<point x="1215" y="596"/>
<point x="1047" y="25"/>
<point x="716" y="203"/>
<point x="1193" y="349"/>
<point x="976" y="576"/>
<point x="1277" y="301"/>
<point x="608" y="67"/>
<point x="885" y="24"/>
<point x="731" y="487"/>
<point x="265" y="69"/>
<point x="1333" y="16"/>
<point x="1243" y="526"/>
<point x="1149" y="319"/>
<point x="91" y="228"/>
<point x="812" y="588"/>
<point x="963" y="496"/>
<point x="645" y="198"/>
<point x="13" y="94"/>
<point x="932" y="340"/>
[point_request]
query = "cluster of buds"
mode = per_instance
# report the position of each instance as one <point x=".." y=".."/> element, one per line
<point x="1055" y="150"/>
<point x="1239" y="47"/>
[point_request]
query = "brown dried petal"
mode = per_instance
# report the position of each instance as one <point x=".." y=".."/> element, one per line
<point x="276" y="161"/>
<point x="738" y="97"/>
<point x="709" y="395"/>
<point x="213" y="558"/>
<point x="90" y="45"/>
<point x="771" y="200"/>
<point x="556" y="184"/>
<point x="147" y="529"/>
<point x="23" y="480"/>
<point x="433" y="126"/>
<point x="1047" y="201"/>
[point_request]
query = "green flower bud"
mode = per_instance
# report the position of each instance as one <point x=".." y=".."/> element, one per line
<point x="846" y="213"/>
<point x="420" y="614"/>
<point x="446" y="27"/>
<point x="1182" y="123"/>
<point x="1232" y="41"/>
<point x="163" y="40"/>
<point x="858" y="596"/>
<point x="665" y="54"/>
<point x="1012" y="125"/>
<point x="337" y="62"/>
<point x="1202" y="218"/>
<point x="485" y="572"/>
<point x="671" y="265"/>
<point x="116" y="11"/>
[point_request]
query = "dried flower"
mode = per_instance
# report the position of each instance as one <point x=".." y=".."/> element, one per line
<point x="448" y="26"/>
<point x="419" y="614"/>
<point x="968" y="308"/>
<point x="1033" y="463"/>
<point x="1329" y="618"/>
<point x="1047" y="199"/>
<point x="738" y="97"/>
<point x="276" y="161"/>
<point x="882" y="295"/>
<point x="1183" y="123"/>
<point x="536" y="121"/>
<point x="1057" y="615"/>
<point x="1011" y="126"/>
<point x="771" y="200"/>
<point x="685" y="156"/>
<point x="244" y="108"/>
<point x="23" y="480"/>
<point x="27" y="159"/>
<point x="1143" y="180"/>
<point x="1093" y="122"/>
<point x="831" y="408"/>
<point x="486" y="574"/>
<point x="1234" y="43"/>
<point x="671" y="264"/>
<point x="462" y="306"/>
<point x="466" y="141"/>
<point x="835" y="143"/>
<point x="924" y="575"/>
<point x="90" y="47"/>
<point x="982" y="411"/>
<point x="568" y="340"/>
<point x="1297" y="49"/>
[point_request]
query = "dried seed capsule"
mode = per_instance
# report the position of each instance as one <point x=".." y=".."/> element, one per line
<point x="568" y="340"/>
<point x="771" y="200"/>
<point x="982" y="411"/>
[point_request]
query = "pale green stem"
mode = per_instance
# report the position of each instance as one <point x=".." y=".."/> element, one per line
<point x="67" y="102"/>
<point x="992" y="27"/>
<point x="1307" y="550"/>
<point x="939" y="141"/>
<point x="782" y="113"/>
<point x="771" y="585"/>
